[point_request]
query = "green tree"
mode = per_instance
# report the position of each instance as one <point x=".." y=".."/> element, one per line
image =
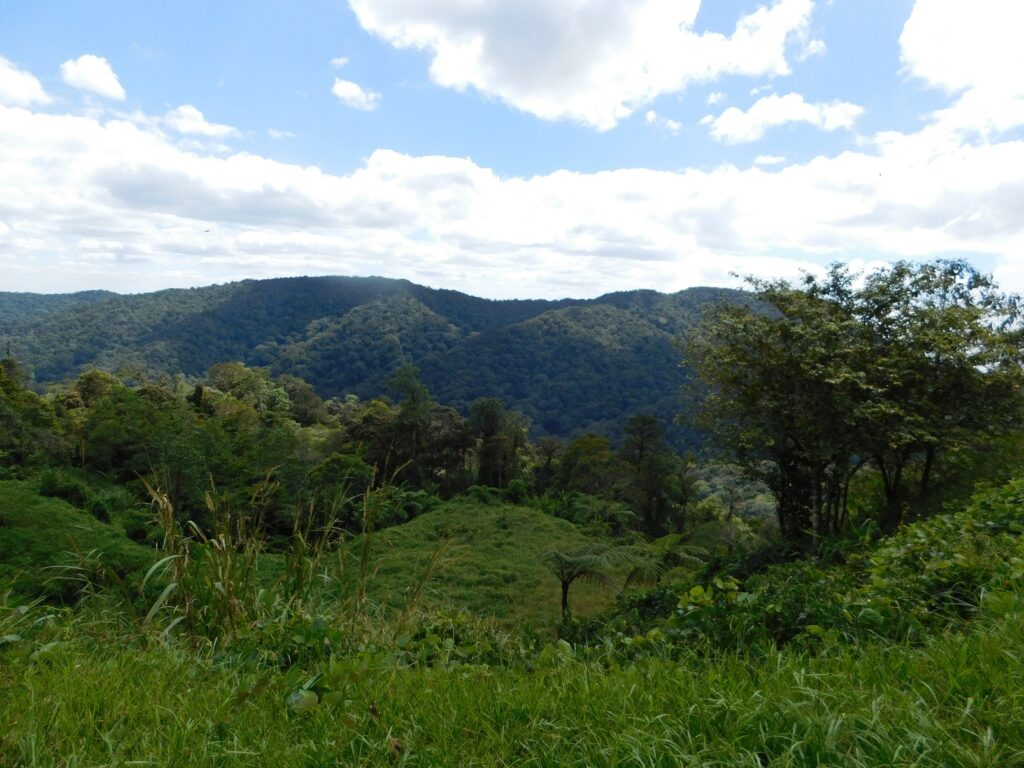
<point x="653" y="470"/>
<point x="589" y="563"/>
<point x="820" y="378"/>
<point x="252" y="386"/>
<point x="589" y="465"/>
<point x="501" y="437"/>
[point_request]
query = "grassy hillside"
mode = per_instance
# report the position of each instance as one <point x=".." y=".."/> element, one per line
<point x="493" y="568"/>
<point x="38" y="535"/>
<point x="910" y="659"/>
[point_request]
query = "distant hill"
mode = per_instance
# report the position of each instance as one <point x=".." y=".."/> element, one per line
<point x="569" y="365"/>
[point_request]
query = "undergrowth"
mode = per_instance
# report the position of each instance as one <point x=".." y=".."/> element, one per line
<point x="907" y="654"/>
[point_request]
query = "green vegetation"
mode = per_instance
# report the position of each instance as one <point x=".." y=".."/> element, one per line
<point x="918" y="364"/>
<point x="45" y="542"/>
<point x="494" y="565"/>
<point x="569" y="366"/>
<point x="231" y="570"/>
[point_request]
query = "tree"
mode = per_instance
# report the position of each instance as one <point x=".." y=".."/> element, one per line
<point x="819" y="379"/>
<point x="252" y="386"/>
<point x="589" y="563"/>
<point x="654" y="467"/>
<point x="500" y="436"/>
<point x="589" y="465"/>
<point x="307" y="408"/>
<point x="945" y="352"/>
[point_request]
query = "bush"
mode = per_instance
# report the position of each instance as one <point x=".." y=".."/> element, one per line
<point x="59" y="484"/>
<point x="483" y="494"/>
<point x="516" y="492"/>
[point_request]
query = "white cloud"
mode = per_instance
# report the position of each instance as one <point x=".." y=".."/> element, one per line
<point x="88" y="201"/>
<point x="355" y="96"/>
<point x="715" y="98"/>
<point x="20" y="88"/>
<point x="813" y="47"/>
<point x="590" y="61"/>
<point x="117" y="204"/>
<point x="735" y="126"/>
<point x="339" y="62"/>
<point x="274" y="133"/>
<point x="971" y="50"/>
<point x="94" y="74"/>
<point x="188" y="120"/>
<point x="653" y="118"/>
<point x="769" y="160"/>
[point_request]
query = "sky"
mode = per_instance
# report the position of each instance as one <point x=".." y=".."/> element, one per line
<point x="506" y="148"/>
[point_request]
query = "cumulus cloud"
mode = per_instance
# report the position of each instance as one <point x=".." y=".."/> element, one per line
<point x="593" y="62"/>
<point x="94" y="74"/>
<point x="715" y="98"/>
<point x="275" y="133"/>
<point x="93" y="201"/>
<point x="660" y="121"/>
<point x="355" y="96"/>
<point x="20" y="88"/>
<point x="339" y="62"/>
<point x="735" y="126"/>
<point x="188" y="120"/>
<point x="973" y="51"/>
<point x="115" y="202"/>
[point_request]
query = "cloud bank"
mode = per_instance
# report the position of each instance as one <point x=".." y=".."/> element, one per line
<point x="593" y="62"/>
<point x="101" y="199"/>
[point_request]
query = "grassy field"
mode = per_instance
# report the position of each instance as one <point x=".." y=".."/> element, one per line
<point x="308" y="684"/>
<point x="77" y="694"/>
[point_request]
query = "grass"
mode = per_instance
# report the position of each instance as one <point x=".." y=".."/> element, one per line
<point x="494" y="567"/>
<point x="38" y="535"/>
<point x="956" y="701"/>
<point x="93" y="686"/>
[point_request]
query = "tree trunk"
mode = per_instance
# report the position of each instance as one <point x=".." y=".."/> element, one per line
<point x="892" y="512"/>
<point x="926" y="472"/>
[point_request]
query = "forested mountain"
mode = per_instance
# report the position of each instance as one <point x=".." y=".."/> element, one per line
<point x="24" y="307"/>
<point x="569" y="365"/>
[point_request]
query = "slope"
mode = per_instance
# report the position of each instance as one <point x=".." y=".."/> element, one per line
<point x="494" y="567"/>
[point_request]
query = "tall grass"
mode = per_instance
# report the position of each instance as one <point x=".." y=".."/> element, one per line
<point x="957" y="700"/>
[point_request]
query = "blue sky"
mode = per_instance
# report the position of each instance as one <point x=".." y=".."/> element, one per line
<point x="505" y="147"/>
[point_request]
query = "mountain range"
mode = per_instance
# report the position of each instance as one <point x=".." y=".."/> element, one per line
<point x="569" y="365"/>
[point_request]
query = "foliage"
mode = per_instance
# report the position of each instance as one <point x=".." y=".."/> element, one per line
<point x="569" y="365"/>
<point x="79" y="690"/>
<point x="918" y="363"/>
<point x="929" y="576"/>
<point x="40" y="538"/>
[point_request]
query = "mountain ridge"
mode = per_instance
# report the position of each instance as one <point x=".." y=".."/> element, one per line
<point x="570" y="365"/>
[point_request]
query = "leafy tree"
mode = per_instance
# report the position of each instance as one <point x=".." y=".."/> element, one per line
<point x="500" y="436"/>
<point x="589" y="465"/>
<point x="548" y="450"/>
<point x="944" y="371"/>
<point x="28" y="427"/>
<point x="307" y="408"/>
<point x="252" y="386"/>
<point x="819" y="379"/>
<point x="653" y="470"/>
